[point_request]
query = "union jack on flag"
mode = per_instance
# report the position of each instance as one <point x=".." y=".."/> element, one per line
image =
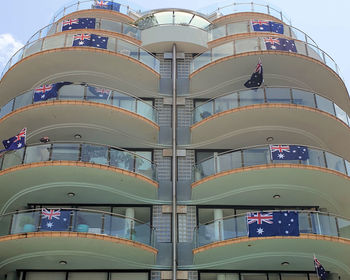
<point x="50" y="214"/>
<point x="259" y="218"/>
<point x="55" y="220"/>
<point x="70" y="22"/>
<point x="15" y="142"/>
<point x="101" y="3"/>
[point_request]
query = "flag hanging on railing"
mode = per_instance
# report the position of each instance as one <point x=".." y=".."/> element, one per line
<point x="55" y="220"/>
<point x="289" y="152"/>
<point x="320" y="271"/>
<point x="90" y="40"/>
<point x="107" y="5"/>
<point x="46" y="92"/>
<point x="78" y="23"/>
<point x="280" y="44"/>
<point x="99" y="93"/>
<point x="267" y="26"/>
<point x="16" y="142"/>
<point x="256" y="78"/>
<point x="279" y="223"/>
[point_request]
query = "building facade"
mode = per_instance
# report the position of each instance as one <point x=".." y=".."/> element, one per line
<point x="148" y="158"/>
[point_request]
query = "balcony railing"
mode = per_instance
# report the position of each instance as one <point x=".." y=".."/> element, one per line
<point x="81" y="152"/>
<point x="253" y="44"/>
<point x="231" y="227"/>
<point x="87" y="93"/>
<point x="260" y="155"/>
<point x="101" y="25"/>
<point x="77" y="220"/>
<point x="242" y="27"/>
<point x="76" y="6"/>
<point x="172" y="17"/>
<point x="65" y="40"/>
<point x="271" y="95"/>
<point x="216" y="11"/>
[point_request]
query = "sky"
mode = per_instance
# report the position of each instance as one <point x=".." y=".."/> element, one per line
<point x="325" y="21"/>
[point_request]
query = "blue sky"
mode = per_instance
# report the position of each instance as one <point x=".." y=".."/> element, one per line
<point x="324" y="21"/>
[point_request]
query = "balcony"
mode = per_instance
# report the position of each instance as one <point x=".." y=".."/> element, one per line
<point x="105" y="116"/>
<point x="94" y="173"/>
<point x="224" y="244"/>
<point x="161" y="28"/>
<point x="248" y="117"/>
<point x="54" y="58"/>
<point x="309" y="68"/>
<point x="251" y="177"/>
<point x="84" y="239"/>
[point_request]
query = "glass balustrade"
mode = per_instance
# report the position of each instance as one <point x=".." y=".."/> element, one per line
<point x="87" y="93"/>
<point x="261" y="155"/>
<point x="172" y="17"/>
<point x="271" y="95"/>
<point x="65" y="40"/>
<point x="77" y="220"/>
<point x="238" y="46"/>
<point x="231" y="227"/>
<point x="137" y="162"/>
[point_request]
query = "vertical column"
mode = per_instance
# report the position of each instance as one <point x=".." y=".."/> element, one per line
<point x="218" y="224"/>
<point x="129" y="223"/>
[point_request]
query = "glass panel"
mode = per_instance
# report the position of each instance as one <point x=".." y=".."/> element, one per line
<point x="111" y="25"/>
<point x="121" y="159"/>
<point x="301" y="97"/>
<point x="147" y="59"/>
<point x="23" y="100"/>
<point x="201" y="60"/>
<point x="206" y="234"/>
<point x="254" y="276"/>
<point x="222" y="51"/>
<point x="246" y="45"/>
<point x="164" y="17"/>
<point x="183" y="18"/>
<point x="237" y="27"/>
<point x="328" y="225"/>
<point x="143" y="164"/>
<point x="65" y="152"/>
<point x="341" y="114"/>
<point x="229" y="161"/>
<point x="204" y="110"/>
<point x="88" y="222"/>
<point x="227" y="102"/>
<point x="127" y="49"/>
<point x="325" y="104"/>
<point x="292" y="276"/>
<point x="131" y="31"/>
<point x="344" y="228"/>
<point x="314" y="52"/>
<point x="75" y="92"/>
<point x="275" y="276"/>
<point x="347" y="164"/>
<point x="223" y="276"/>
<point x="334" y="162"/>
<point x="129" y="275"/>
<point x="124" y="101"/>
<point x="278" y="95"/>
<point x="199" y="22"/>
<point x="252" y="96"/>
<point x="5" y="224"/>
<point x="256" y="156"/>
<point x="7" y="109"/>
<point x="305" y="225"/>
<point x="32" y="48"/>
<point x="12" y="158"/>
<point x="87" y="276"/>
<point x="316" y="158"/>
<point x="218" y="32"/>
<point x="94" y="154"/>
<point x="139" y="232"/>
<point x="144" y="108"/>
<point x="54" y="42"/>
<point x="25" y="222"/>
<point x="37" y="153"/>
<point x="313" y="276"/>
<point x="204" y="169"/>
<point x="45" y="275"/>
<point x="114" y="226"/>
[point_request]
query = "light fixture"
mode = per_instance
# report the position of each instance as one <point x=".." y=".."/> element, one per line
<point x="284" y="263"/>
<point x="77" y="136"/>
<point x="269" y="139"/>
<point x="276" y="196"/>
<point x="62" y="262"/>
<point x="71" y="194"/>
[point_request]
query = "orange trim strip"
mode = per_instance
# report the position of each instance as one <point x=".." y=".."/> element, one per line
<point x="246" y="15"/>
<point x="79" y="164"/>
<point x="59" y="234"/>
<point x="268" y="166"/>
<point x="78" y="102"/>
<point x="110" y="13"/>
<point x="250" y="239"/>
<point x="263" y="106"/>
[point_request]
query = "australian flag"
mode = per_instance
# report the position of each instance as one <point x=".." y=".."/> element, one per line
<point x="289" y="152"/>
<point x="256" y="78"/>
<point x="99" y="93"/>
<point x="107" y="5"/>
<point x="79" y="23"/>
<point x="90" y="40"/>
<point x="55" y="220"/>
<point x="267" y="26"/>
<point x="15" y="142"/>
<point x="320" y="271"/>
<point x="46" y="92"/>
<point x="281" y="223"/>
<point x="280" y="44"/>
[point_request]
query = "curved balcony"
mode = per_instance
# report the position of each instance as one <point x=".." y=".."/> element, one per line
<point x="224" y="244"/>
<point x="248" y="117"/>
<point x="216" y="12"/>
<point x="95" y="173"/>
<point x="84" y="239"/>
<point x="231" y="178"/>
<point x="137" y="71"/>
<point x="76" y="6"/>
<point x="99" y="108"/>
<point x="282" y="68"/>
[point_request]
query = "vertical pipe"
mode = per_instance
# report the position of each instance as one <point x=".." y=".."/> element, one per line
<point x="174" y="224"/>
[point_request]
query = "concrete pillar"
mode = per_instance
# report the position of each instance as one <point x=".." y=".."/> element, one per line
<point x="129" y="223"/>
<point x="218" y="224"/>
